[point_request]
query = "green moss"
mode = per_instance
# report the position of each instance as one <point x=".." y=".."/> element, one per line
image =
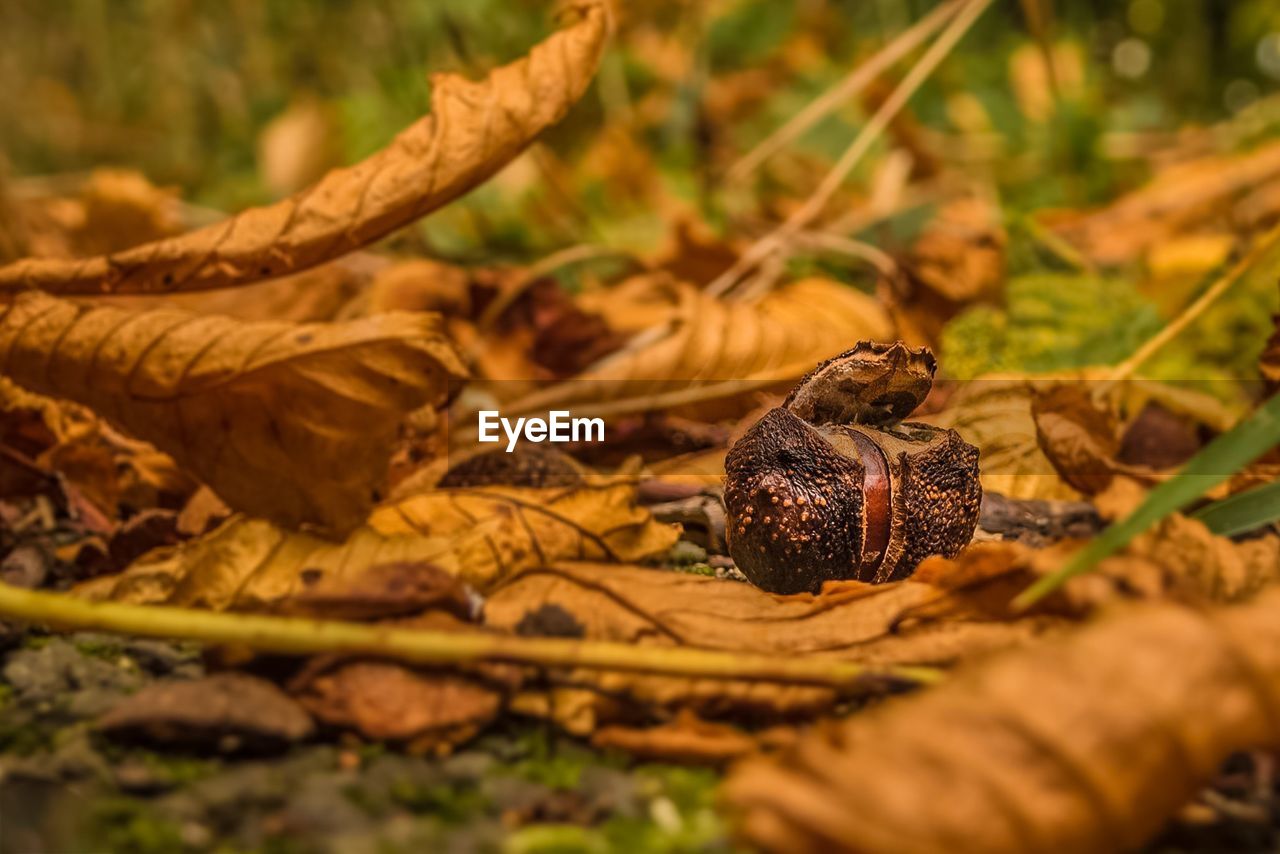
<point x="1050" y="322"/>
<point x="451" y="804"/>
<point x="103" y="648"/>
<point x="558" y="839"/>
<point x="697" y="569"/>
<point x="127" y="826"/>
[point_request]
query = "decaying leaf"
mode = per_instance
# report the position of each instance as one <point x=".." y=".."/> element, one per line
<point x="232" y="711"/>
<point x="473" y="130"/>
<point x="994" y="414"/>
<point x="688" y="738"/>
<point x="294" y="423"/>
<point x="1179" y="200"/>
<point x="1179" y="558"/>
<point x="386" y="701"/>
<point x="428" y="709"/>
<point x="1087" y="742"/>
<point x="850" y="620"/>
<point x="1079" y="438"/>
<point x="709" y="349"/>
<point x="477" y="535"/>
<point x="959" y="259"/>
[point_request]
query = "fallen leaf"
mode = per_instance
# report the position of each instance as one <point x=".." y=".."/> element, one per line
<point x="473" y="131"/>
<point x="477" y="535"/>
<point x="1179" y="558"/>
<point x="687" y="738"/>
<point x="299" y="146"/>
<point x="958" y="260"/>
<point x="1078" y="437"/>
<point x="227" y="711"/>
<point x="383" y="591"/>
<point x="1087" y="742"/>
<point x="1178" y="201"/>
<point x="385" y="701"/>
<point x="294" y="423"/>
<point x="849" y="620"/>
<point x="994" y="414"/>
<point x="708" y="351"/>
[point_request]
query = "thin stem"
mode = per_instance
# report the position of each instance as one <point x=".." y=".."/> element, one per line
<point x="298" y="636"/>
<point x="851" y="85"/>
<point x="861" y="144"/>
<point x="1193" y="312"/>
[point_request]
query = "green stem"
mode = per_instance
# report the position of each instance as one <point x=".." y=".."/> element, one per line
<point x="301" y="636"/>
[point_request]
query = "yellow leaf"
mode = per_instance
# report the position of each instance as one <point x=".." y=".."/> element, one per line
<point x="1086" y="742"/>
<point x="474" y="129"/>
<point x="712" y="349"/>
<point x="479" y="535"/>
<point x="994" y="414"/>
<point x="294" y="423"/>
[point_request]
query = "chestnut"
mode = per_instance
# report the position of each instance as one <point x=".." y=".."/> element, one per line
<point x="834" y="485"/>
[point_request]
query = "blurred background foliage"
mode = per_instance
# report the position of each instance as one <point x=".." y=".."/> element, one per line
<point x="238" y="102"/>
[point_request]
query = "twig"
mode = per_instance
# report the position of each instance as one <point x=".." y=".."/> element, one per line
<point x="296" y="636"/>
<point x="861" y="144"/>
<point x="881" y="61"/>
<point x="1039" y="15"/>
<point x="1193" y="312"/>
<point x="542" y="268"/>
<point x="876" y="257"/>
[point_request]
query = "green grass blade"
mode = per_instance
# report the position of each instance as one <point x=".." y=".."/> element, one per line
<point x="1243" y="512"/>
<point x="1220" y="459"/>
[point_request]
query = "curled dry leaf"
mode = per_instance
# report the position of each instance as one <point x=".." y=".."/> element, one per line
<point x="473" y="130"/>
<point x="477" y="535"/>
<point x="294" y="423"/>
<point x="1042" y="437"/>
<point x="1078" y="437"/>
<point x="994" y="414"/>
<point x="1179" y="558"/>
<point x="232" y="711"/>
<point x="708" y="349"/>
<point x="1180" y="200"/>
<point x="429" y="709"/>
<point x="1087" y="742"/>
<point x="385" y="701"/>
<point x="688" y="738"/>
<point x="849" y="620"/>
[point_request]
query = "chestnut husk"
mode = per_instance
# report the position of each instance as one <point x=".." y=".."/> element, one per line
<point x="809" y="503"/>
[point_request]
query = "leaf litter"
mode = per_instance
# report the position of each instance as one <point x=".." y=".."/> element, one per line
<point x="301" y="463"/>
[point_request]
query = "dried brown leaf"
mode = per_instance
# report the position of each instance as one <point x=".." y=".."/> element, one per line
<point x="294" y="423"/>
<point x="994" y="414"/>
<point x="230" y="710"/>
<point x="477" y="535"/>
<point x="387" y="701"/>
<point x="432" y="710"/>
<point x="1087" y="742"/>
<point x="707" y="349"/>
<point x="1180" y="200"/>
<point x="687" y="738"/>
<point x="849" y="620"/>
<point x="1078" y="437"/>
<point x="473" y="130"/>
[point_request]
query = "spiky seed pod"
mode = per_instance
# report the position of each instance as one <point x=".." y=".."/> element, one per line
<point x="833" y="486"/>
